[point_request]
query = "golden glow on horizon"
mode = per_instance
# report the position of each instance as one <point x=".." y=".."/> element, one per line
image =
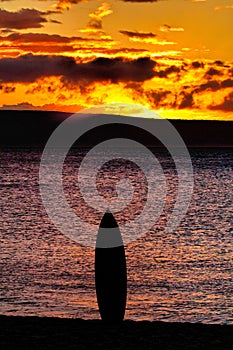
<point x="189" y="42"/>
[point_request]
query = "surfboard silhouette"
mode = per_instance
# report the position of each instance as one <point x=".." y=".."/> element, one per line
<point x="110" y="271"/>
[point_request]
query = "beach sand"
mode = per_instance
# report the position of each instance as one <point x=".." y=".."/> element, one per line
<point x="57" y="333"/>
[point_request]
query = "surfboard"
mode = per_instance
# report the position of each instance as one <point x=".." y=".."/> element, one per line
<point x="110" y="271"/>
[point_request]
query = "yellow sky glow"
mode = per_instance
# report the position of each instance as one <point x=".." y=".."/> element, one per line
<point x="187" y="73"/>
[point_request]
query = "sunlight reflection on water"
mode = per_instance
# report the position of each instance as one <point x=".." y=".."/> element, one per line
<point x="183" y="276"/>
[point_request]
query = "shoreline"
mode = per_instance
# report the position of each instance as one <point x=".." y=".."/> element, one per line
<point x="31" y="332"/>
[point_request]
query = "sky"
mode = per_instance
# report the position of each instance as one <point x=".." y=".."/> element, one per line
<point x="174" y="57"/>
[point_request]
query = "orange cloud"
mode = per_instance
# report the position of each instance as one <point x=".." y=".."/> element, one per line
<point x="167" y="28"/>
<point x="66" y="4"/>
<point x="147" y="38"/>
<point x="7" y="89"/>
<point x="221" y="7"/>
<point x="95" y="24"/>
<point x="226" y="105"/>
<point x="162" y="83"/>
<point x="23" y="43"/>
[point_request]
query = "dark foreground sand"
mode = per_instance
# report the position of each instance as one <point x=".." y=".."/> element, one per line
<point x="53" y="333"/>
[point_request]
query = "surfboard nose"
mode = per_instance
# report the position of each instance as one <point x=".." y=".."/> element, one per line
<point x="109" y="235"/>
<point x="108" y="220"/>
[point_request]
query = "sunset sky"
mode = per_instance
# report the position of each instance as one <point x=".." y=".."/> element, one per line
<point x="172" y="56"/>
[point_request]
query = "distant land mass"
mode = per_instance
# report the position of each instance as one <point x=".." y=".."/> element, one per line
<point x="33" y="128"/>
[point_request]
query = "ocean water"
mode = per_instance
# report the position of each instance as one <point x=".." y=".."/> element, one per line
<point x="183" y="276"/>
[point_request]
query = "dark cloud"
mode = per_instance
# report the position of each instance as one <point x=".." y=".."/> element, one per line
<point x="23" y="19"/>
<point x="141" y="35"/>
<point x="41" y="49"/>
<point x="42" y="38"/>
<point x="55" y="21"/>
<point x="213" y="71"/>
<point x="6" y="31"/>
<point x="124" y="50"/>
<point x="156" y="98"/>
<point x="214" y="85"/>
<point x="219" y="63"/>
<point x="49" y="43"/>
<point x="135" y="86"/>
<point x="146" y="38"/>
<point x="166" y="72"/>
<point x="187" y="100"/>
<point x="230" y="72"/>
<point x="227" y="83"/>
<point x="94" y="24"/>
<point x="196" y="64"/>
<point x="29" y="68"/>
<point x="210" y="85"/>
<point x="7" y="89"/>
<point x="66" y="4"/>
<point x="226" y="105"/>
